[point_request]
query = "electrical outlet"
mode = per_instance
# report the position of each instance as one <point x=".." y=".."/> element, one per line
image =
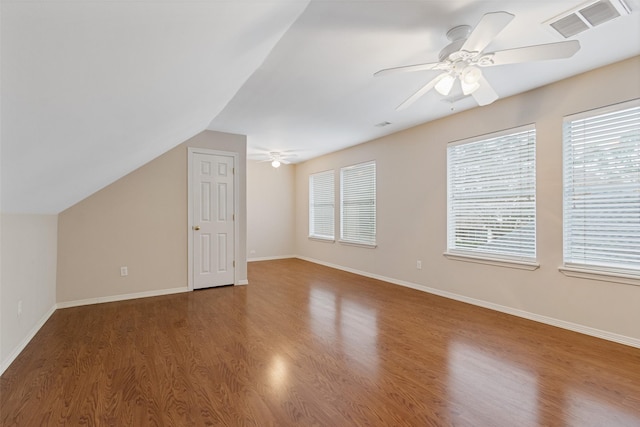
<point x="124" y="271"/>
<point x="419" y="265"/>
<point x="19" y="308"/>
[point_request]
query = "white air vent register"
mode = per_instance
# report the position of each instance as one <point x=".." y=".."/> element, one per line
<point x="587" y="16"/>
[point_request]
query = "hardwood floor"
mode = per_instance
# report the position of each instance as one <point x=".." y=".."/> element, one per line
<point x="311" y="346"/>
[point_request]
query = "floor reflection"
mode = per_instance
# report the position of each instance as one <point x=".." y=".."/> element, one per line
<point x="322" y="308"/>
<point x="359" y="333"/>
<point x="581" y="406"/>
<point x="488" y="388"/>
<point x="278" y="373"/>
<point x="345" y="323"/>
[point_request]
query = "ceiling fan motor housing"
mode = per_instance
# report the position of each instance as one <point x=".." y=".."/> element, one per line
<point x="457" y="35"/>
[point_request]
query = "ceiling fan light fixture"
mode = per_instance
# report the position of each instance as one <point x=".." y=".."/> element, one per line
<point x="275" y="163"/>
<point x="445" y="84"/>
<point x="471" y="75"/>
<point x="469" y="88"/>
<point x="470" y="79"/>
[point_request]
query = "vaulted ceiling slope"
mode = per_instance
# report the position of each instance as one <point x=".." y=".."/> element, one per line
<point x="316" y="92"/>
<point x="91" y="90"/>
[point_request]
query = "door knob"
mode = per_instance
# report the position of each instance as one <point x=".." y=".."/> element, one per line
<point x="196" y="227"/>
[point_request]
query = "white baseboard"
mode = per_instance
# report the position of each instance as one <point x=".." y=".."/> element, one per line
<point x="123" y="297"/>
<point x="243" y="282"/>
<point x="271" y="258"/>
<point x="587" y="330"/>
<point x="32" y="333"/>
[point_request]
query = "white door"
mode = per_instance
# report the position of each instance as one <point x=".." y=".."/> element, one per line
<point x="213" y="217"/>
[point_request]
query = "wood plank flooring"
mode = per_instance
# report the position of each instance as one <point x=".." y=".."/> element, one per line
<point x="307" y="345"/>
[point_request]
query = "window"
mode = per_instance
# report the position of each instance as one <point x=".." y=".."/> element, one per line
<point x="358" y="204"/>
<point x="491" y="192"/>
<point x="602" y="190"/>
<point x="321" y="205"/>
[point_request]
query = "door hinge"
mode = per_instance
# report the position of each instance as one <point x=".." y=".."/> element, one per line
<point x="233" y="171"/>
<point x="233" y="217"/>
<point x="234" y="264"/>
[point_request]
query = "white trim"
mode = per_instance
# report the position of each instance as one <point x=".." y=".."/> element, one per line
<point x="586" y="330"/>
<point x="32" y="333"/>
<point x="358" y="244"/>
<point x="498" y="262"/>
<point x="242" y="282"/>
<point x="236" y="209"/>
<point x="322" y="239"/>
<point x="604" y="275"/>
<point x="602" y="110"/>
<point x="491" y="135"/>
<point x="121" y="297"/>
<point x="271" y="258"/>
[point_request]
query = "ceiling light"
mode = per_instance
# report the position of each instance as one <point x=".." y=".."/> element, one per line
<point x="445" y="84"/>
<point x="275" y="163"/>
<point x="468" y="89"/>
<point x="470" y="79"/>
<point x="471" y="75"/>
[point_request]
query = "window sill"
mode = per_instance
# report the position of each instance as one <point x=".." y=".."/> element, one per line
<point x="361" y="245"/>
<point x="604" y="275"/>
<point x="498" y="262"/>
<point x="322" y="239"/>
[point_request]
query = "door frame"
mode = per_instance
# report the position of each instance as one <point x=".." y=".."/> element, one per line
<point x="190" y="197"/>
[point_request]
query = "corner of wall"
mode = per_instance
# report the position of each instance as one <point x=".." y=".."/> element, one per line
<point x="28" y="279"/>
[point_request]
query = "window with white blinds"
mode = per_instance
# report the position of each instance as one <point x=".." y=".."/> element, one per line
<point x="602" y="189"/>
<point x="321" y="205"/>
<point x="358" y="204"/>
<point x="491" y="192"/>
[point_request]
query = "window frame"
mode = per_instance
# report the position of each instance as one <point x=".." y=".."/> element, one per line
<point x="495" y="257"/>
<point x="371" y="243"/>
<point x="570" y="266"/>
<point x="312" y="203"/>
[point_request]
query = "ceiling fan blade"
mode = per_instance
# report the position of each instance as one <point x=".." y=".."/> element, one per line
<point x="424" y="89"/>
<point x="487" y="29"/>
<point x="266" y="150"/>
<point x="540" y="52"/>
<point x="485" y="94"/>
<point x="407" y="69"/>
<point x="286" y="162"/>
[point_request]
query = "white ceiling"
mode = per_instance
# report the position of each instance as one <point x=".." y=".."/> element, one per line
<point x="91" y="90"/>
<point x="316" y="92"/>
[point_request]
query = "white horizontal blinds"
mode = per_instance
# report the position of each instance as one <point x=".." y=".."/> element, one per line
<point x="321" y="205"/>
<point x="358" y="204"/>
<point x="602" y="189"/>
<point x="492" y="195"/>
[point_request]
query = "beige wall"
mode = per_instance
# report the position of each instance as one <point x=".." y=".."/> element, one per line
<point x="29" y="275"/>
<point x="411" y="197"/>
<point x="270" y="210"/>
<point x="139" y="221"/>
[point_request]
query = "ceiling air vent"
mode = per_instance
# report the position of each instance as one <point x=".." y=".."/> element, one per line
<point x="587" y="16"/>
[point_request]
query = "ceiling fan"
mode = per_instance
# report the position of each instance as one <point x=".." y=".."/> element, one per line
<point x="462" y="59"/>
<point x="277" y="157"/>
